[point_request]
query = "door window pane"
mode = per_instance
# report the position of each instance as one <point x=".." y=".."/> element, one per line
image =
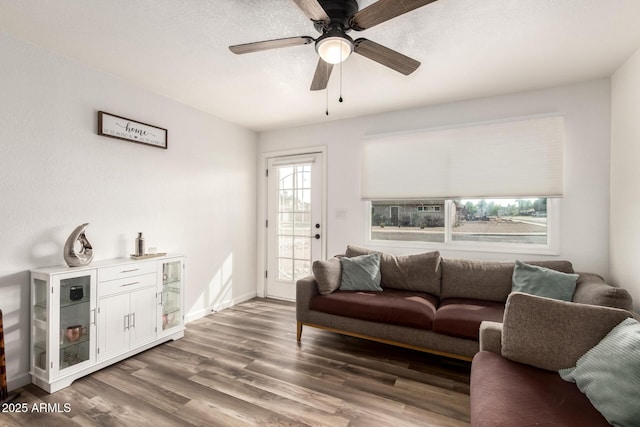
<point x="285" y="269"/>
<point x="304" y="177"/>
<point x="302" y="269"/>
<point x="302" y="248"/>
<point x="286" y="202"/>
<point x="302" y="224"/>
<point x="285" y="223"/>
<point x="285" y="175"/>
<point x="285" y="246"/>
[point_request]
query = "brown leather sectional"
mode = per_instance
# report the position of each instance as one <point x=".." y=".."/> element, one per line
<point x="514" y="378"/>
<point x="430" y="303"/>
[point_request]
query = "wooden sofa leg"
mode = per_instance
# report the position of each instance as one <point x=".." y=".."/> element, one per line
<point x="299" y="331"/>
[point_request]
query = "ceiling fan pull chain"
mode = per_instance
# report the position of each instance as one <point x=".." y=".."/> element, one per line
<point x="340" y="99"/>
<point x="327" y="101"/>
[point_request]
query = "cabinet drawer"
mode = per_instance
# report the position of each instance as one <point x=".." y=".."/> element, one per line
<point x="126" y="284"/>
<point x="126" y="270"/>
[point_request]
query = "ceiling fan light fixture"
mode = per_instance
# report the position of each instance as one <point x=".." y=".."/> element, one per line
<point x="334" y="49"/>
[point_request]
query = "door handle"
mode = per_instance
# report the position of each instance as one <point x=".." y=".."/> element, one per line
<point x="129" y="284"/>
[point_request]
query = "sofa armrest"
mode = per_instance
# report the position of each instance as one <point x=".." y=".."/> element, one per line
<point x="305" y="289"/>
<point x="552" y="334"/>
<point x="592" y="289"/>
<point x="491" y="337"/>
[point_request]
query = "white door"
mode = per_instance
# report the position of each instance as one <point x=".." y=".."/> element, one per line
<point x="143" y="317"/>
<point x="294" y="228"/>
<point x="113" y="326"/>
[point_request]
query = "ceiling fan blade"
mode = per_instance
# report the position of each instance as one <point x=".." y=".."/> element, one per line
<point x="384" y="10"/>
<point x="312" y="9"/>
<point x="385" y="56"/>
<point x="270" y="44"/>
<point x="321" y="77"/>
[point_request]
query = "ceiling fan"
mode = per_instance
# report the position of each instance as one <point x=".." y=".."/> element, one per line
<point x="334" y="19"/>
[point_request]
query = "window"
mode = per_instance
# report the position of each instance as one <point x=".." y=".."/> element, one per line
<point x="423" y="208"/>
<point x="519" y="221"/>
<point x="414" y="221"/>
<point x="418" y="171"/>
<point x="509" y="225"/>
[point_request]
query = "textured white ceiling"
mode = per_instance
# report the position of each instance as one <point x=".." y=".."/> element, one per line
<point x="468" y="49"/>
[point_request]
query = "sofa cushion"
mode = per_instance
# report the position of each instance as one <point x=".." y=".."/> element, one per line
<point x="592" y="289"/>
<point x="361" y="273"/>
<point x="531" y="323"/>
<point x="609" y="374"/>
<point x="328" y="275"/>
<point x="461" y="317"/>
<point x="420" y="272"/>
<point x="510" y="394"/>
<point x="543" y="282"/>
<point x="407" y="308"/>
<point x="486" y="280"/>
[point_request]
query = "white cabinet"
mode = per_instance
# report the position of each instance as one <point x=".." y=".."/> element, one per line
<point x="86" y="318"/>
<point x="127" y="308"/>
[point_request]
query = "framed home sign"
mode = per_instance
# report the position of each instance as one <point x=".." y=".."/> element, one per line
<point x="130" y="130"/>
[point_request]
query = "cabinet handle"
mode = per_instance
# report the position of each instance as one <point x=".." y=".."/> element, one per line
<point x="133" y="322"/>
<point x="160" y="297"/>
<point x="126" y="322"/>
<point x="129" y="284"/>
<point x="93" y="316"/>
<point x="130" y="271"/>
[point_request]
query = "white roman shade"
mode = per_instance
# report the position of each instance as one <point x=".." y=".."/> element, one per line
<point x="521" y="158"/>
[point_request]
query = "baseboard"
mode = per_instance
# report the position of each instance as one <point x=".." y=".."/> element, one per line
<point x="20" y="381"/>
<point x="198" y="314"/>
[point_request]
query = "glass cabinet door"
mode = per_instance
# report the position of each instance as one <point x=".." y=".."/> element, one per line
<point x="62" y="323"/>
<point x="171" y="294"/>
<point x="75" y="320"/>
<point x="39" y="323"/>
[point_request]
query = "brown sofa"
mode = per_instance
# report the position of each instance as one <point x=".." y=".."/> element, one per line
<point x="514" y="378"/>
<point x="430" y="303"/>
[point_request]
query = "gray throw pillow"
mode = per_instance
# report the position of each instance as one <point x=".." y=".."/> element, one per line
<point x="420" y="272"/>
<point x="328" y="275"/>
<point x="361" y="273"/>
<point x="609" y="374"/>
<point x="543" y="282"/>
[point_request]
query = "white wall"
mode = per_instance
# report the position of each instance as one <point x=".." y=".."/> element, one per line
<point x="584" y="209"/>
<point x="197" y="198"/>
<point x="625" y="177"/>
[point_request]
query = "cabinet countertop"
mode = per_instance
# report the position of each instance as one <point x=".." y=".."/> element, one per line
<point x="102" y="263"/>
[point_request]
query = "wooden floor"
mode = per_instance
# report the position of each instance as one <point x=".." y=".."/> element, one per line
<point x="242" y="366"/>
